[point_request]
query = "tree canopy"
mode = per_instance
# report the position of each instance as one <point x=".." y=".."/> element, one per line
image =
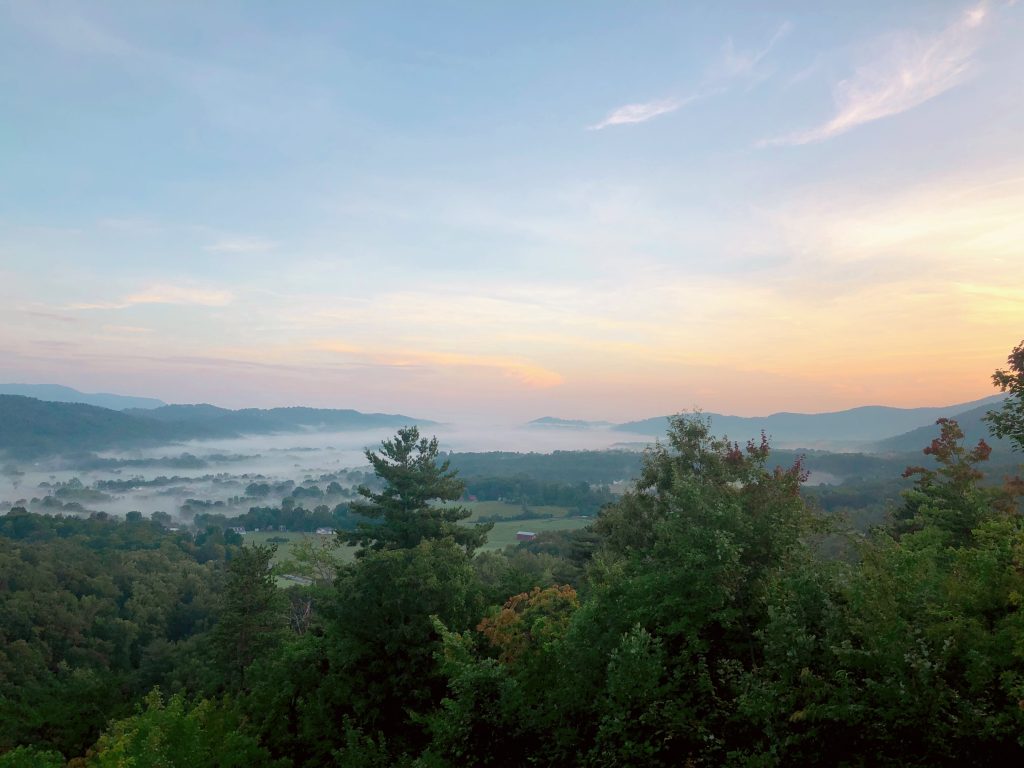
<point x="712" y="615"/>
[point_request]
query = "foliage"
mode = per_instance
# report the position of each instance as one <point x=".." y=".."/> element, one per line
<point x="645" y="670"/>
<point x="31" y="757"/>
<point x="1008" y="421"/>
<point x="408" y="505"/>
<point x="530" y="618"/>
<point x="315" y="558"/>
<point x="93" y="612"/>
<point x="951" y="499"/>
<point x="381" y="637"/>
<point x="175" y="734"/>
<point x="252" y="614"/>
<point x="698" y="622"/>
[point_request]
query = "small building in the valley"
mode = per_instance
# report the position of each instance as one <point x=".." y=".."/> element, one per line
<point x="525" y="535"/>
<point x="325" y="531"/>
<point x="237" y="529"/>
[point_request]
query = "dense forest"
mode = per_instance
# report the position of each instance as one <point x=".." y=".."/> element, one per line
<point x="32" y="428"/>
<point x="713" y="614"/>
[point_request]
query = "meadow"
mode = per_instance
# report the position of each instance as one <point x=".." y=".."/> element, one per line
<point x="504" y="533"/>
<point x="501" y="535"/>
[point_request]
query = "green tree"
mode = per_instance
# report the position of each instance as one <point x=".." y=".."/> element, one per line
<point x="951" y="499"/>
<point x="31" y="757"/>
<point x="651" y="669"/>
<point x="313" y="557"/>
<point x="174" y="734"/>
<point x="1008" y="421"/>
<point x="414" y="504"/>
<point x="529" y="619"/>
<point x="931" y="668"/>
<point x="382" y="641"/>
<point x="910" y="655"/>
<point x="253" y="614"/>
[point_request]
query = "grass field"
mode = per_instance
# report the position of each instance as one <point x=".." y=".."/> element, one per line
<point x="283" y="548"/>
<point x="504" y="533"/>
<point x="505" y="509"/>
<point x="501" y="535"/>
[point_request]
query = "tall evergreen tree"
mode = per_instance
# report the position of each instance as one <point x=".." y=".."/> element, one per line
<point x="412" y="507"/>
<point x="252" y="618"/>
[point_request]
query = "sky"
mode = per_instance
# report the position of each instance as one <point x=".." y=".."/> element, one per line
<point x="463" y="210"/>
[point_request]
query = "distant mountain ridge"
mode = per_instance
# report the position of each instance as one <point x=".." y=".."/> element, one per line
<point x="972" y="422"/>
<point x="860" y="427"/>
<point x="30" y="427"/>
<point x="57" y="393"/>
<point x="267" y="420"/>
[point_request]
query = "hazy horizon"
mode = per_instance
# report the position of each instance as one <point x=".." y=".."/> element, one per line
<point x="485" y="419"/>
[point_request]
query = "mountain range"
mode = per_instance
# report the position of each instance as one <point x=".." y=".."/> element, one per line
<point x="258" y="421"/>
<point x="30" y="427"/>
<point x="871" y="427"/>
<point x="971" y="422"/>
<point x="56" y="393"/>
<point x="62" y="422"/>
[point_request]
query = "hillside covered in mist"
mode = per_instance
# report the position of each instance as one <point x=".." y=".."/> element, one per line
<point x="30" y="427"/>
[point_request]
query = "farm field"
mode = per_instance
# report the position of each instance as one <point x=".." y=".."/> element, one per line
<point x="504" y="533"/>
<point x="501" y="535"/>
<point x="506" y="509"/>
<point x="284" y="547"/>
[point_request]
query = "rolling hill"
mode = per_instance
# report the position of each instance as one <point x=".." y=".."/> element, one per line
<point x="971" y="421"/>
<point x="852" y="428"/>
<point x="257" y="421"/>
<point x="31" y="428"/>
<point x="57" y="393"/>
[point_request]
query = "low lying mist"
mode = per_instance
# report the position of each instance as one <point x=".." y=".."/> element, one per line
<point x="182" y="479"/>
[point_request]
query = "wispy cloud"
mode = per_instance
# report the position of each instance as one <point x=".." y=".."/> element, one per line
<point x="910" y="71"/>
<point x="641" y="113"/>
<point x="178" y="294"/>
<point x="126" y="329"/>
<point x="165" y="294"/>
<point x="733" y="64"/>
<point x="739" y="63"/>
<point x="240" y="245"/>
<point x="525" y="372"/>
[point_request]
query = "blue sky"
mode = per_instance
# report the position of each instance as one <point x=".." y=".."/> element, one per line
<point x="605" y="210"/>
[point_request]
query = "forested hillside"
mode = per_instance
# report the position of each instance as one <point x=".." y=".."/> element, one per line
<point x="32" y="428"/>
<point x="709" y="616"/>
<point x="861" y="426"/>
<point x="226" y="422"/>
<point x="972" y="422"/>
<point x="60" y="394"/>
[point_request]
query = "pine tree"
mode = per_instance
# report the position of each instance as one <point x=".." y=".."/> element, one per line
<point x="252" y="617"/>
<point x="413" y="505"/>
